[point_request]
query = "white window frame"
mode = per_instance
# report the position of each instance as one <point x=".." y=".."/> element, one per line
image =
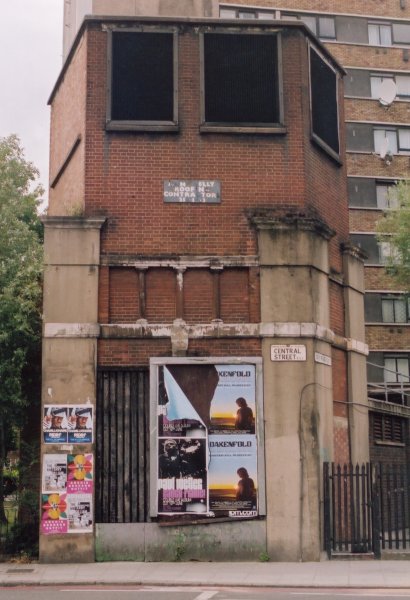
<point x="386" y="197"/>
<point x="377" y="31"/>
<point x="392" y="373"/>
<point x="395" y="305"/>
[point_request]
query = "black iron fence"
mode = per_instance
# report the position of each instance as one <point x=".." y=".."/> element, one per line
<point x="366" y="508"/>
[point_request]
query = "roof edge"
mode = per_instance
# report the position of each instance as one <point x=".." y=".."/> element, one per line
<point x="240" y="24"/>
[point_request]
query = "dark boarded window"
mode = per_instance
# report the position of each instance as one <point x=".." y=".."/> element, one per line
<point x="323" y="83"/>
<point x="241" y="79"/>
<point x="142" y="76"/>
<point x="388" y="428"/>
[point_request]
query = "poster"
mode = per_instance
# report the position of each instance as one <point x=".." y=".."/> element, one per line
<point x="207" y="444"/>
<point x="80" y="424"/>
<point x="233" y="404"/>
<point x="55" y="424"/>
<point x="67" y="486"/>
<point x="80" y="473"/>
<point x="71" y="423"/>
<point x="54" y="473"/>
<point x="233" y="475"/>
<point x="79" y="513"/>
<point x="54" y="517"/>
<point x="182" y="475"/>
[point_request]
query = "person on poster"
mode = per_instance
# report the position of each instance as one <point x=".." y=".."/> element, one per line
<point x="169" y="462"/>
<point x="192" y="459"/>
<point x="245" y="490"/>
<point x="54" y="418"/>
<point x="79" y="419"/>
<point x="244" y="416"/>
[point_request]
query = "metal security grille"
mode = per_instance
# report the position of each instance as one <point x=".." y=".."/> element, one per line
<point x="122" y="446"/>
<point x="241" y="78"/>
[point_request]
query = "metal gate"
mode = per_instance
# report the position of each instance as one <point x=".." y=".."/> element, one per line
<point x="122" y="446"/>
<point x="366" y="508"/>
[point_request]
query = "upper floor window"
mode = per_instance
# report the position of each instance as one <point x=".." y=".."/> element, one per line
<point x="234" y="13"/>
<point x="240" y="81"/>
<point x="398" y="140"/>
<point x="396" y="369"/>
<point x="386" y="308"/>
<point x="142" y="80"/>
<point x="323" y="27"/>
<point x="324" y="103"/>
<point x="394" y="309"/>
<point x="380" y="34"/>
<point x="402" y="84"/>
<point x="386" y="196"/>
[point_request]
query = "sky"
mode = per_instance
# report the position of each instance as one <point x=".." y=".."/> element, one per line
<point x="30" y="61"/>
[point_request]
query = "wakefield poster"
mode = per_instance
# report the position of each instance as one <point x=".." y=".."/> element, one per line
<point x="207" y="446"/>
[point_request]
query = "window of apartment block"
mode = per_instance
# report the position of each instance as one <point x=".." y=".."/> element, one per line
<point x="401" y="33"/>
<point x="380" y="34"/>
<point x="380" y="135"/>
<point x="403" y="86"/>
<point x="241" y="82"/>
<point x="233" y="13"/>
<point x="376" y="82"/>
<point x="324" y="103"/>
<point x="368" y="243"/>
<point x="388" y="428"/>
<point x="404" y="140"/>
<point x="396" y="369"/>
<point x="394" y="309"/>
<point x="322" y="26"/>
<point x="386" y="196"/>
<point x="386" y="308"/>
<point x="142" y="91"/>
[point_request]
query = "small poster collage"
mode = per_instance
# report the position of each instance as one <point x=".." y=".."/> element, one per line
<point x="67" y="479"/>
<point x="207" y="445"/>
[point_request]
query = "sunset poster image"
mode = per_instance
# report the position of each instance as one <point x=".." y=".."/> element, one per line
<point x="233" y="403"/>
<point x="232" y="475"/>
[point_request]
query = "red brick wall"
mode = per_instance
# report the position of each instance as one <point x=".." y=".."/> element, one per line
<point x="337" y="321"/>
<point x="160" y="295"/>
<point x="199" y="296"/>
<point x="125" y="171"/>
<point x="124" y="296"/>
<point x="137" y="352"/>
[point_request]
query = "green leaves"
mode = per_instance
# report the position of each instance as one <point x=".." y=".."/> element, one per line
<point x="394" y="229"/>
<point x="20" y="276"/>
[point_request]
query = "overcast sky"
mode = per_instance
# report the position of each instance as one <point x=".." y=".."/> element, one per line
<point x="30" y="60"/>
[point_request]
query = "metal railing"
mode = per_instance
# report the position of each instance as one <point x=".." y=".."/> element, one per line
<point x="393" y="392"/>
<point x="366" y="508"/>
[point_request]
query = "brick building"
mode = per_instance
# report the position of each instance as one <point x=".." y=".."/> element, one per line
<point x="372" y="42"/>
<point x="192" y="231"/>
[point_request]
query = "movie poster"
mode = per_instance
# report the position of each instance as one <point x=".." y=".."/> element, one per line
<point x="54" y="517"/>
<point x="79" y="513"/>
<point x="72" y="423"/>
<point x="232" y="475"/>
<point x="54" y="473"/>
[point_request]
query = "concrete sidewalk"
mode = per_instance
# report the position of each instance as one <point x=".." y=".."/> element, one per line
<point x="335" y="573"/>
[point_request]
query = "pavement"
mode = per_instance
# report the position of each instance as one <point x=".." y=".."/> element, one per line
<point x="326" y="574"/>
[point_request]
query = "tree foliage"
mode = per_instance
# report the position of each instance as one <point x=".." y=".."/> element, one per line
<point x="20" y="287"/>
<point x="394" y="229"/>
